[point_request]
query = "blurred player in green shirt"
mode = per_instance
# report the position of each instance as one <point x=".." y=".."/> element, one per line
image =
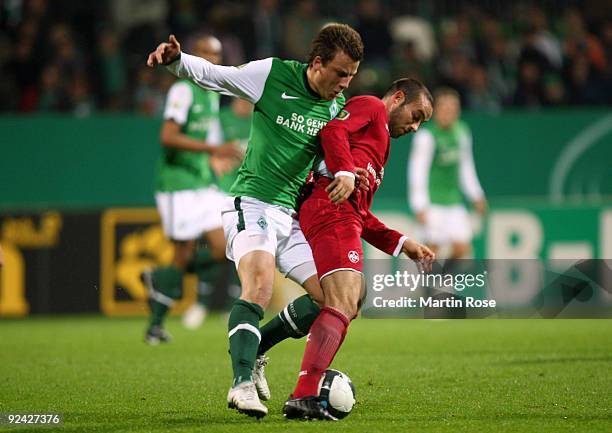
<point x="236" y="125"/>
<point x="441" y="172"/>
<point x="188" y="200"/>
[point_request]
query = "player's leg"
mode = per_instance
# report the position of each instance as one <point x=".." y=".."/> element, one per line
<point x="165" y="283"/>
<point x="460" y="232"/>
<point x="252" y="245"/>
<point x="256" y="272"/>
<point x="209" y="259"/>
<point x="435" y="229"/>
<point x="338" y="255"/>
<point x="295" y="319"/>
<point x="165" y="286"/>
<point x="342" y="293"/>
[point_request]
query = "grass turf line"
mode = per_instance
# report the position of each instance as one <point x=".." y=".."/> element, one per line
<point x="411" y="376"/>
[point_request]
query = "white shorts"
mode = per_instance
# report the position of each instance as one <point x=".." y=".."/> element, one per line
<point x="187" y="214"/>
<point x="447" y="224"/>
<point x="252" y="225"/>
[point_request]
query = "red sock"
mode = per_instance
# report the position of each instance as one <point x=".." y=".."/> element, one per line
<point x="326" y="335"/>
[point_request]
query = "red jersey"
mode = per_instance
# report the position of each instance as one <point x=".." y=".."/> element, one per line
<point x="359" y="137"/>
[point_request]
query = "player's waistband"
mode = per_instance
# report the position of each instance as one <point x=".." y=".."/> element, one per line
<point x="243" y="199"/>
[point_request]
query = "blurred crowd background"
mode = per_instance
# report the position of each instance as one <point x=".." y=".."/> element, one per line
<point x="86" y="57"/>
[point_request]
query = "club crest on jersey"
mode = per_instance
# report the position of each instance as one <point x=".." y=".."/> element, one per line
<point x="333" y="109"/>
<point x="343" y="115"/>
<point x="353" y="256"/>
<point x="261" y="222"/>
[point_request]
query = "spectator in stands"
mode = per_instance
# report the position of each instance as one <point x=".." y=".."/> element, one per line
<point x="479" y="95"/>
<point x="302" y="23"/>
<point x="267" y="24"/>
<point x="373" y="25"/>
<point x="112" y="71"/>
<point x="44" y="49"/>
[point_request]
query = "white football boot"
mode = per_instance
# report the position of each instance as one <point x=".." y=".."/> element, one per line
<point x="259" y="377"/>
<point x="243" y="397"/>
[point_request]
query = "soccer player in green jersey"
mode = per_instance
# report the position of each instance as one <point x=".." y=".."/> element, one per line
<point x="188" y="201"/>
<point x="293" y="101"/>
<point x="441" y="171"/>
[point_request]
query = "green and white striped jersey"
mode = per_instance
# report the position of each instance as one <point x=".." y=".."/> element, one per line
<point x="441" y="167"/>
<point x="286" y="121"/>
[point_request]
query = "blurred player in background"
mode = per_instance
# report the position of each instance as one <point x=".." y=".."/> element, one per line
<point x="236" y="125"/>
<point x="293" y="102"/>
<point x="188" y="201"/>
<point x="441" y="171"/>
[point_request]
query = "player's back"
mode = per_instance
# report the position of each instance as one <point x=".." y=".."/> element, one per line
<point x="196" y="110"/>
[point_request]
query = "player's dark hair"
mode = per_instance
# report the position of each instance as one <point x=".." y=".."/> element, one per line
<point x="411" y="88"/>
<point x="333" y="38"/>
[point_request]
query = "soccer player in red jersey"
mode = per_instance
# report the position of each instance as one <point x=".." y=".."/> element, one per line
<point x="335" y="217"/>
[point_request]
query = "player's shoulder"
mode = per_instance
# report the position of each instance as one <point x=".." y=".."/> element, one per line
<point x="181" y="85"/>
<point x="287" y="65"/>
<point x="462" y="127"/>
<point x="181" y="90"/>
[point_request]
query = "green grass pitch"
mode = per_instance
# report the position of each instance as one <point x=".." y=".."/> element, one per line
<point x="531" y="376"/>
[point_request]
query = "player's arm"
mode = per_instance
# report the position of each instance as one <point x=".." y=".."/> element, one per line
<point x="335" y="141"/>
<point x="470" y="185"/>
<point x="392" y="242"/>
<point x="419" y="165"/>
<point x="246" y="82"/>
<point x="178" y="103"/>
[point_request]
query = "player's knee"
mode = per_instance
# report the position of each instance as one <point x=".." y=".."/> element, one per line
<point x="256" y="278"/>
<point x="351" y="309"/>
<point x="346" y="304"/>
<point x="183" y="253"/>
<point x="218" y="253"/>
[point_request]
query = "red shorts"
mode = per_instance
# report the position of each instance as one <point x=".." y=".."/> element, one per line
<point x="334" y="234"/>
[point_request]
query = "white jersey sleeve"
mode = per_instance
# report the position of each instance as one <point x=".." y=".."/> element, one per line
<point x="178" y="102"/>
<point x="418" y="169"/>
<point x="246" y="81"/>
<point x="467" y="170"/>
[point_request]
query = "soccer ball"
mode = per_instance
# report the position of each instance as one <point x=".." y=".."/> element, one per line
<point x="338" y="391"/>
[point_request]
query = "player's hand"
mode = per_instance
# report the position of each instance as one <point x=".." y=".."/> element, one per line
<point x="222" y="165"/>
<point x="480" y="206"/>
<point x="422" y="255"/>
<point x="230" y="149"/>
<point x="1" y="258"/>
<point x="165" y="53"/>
<point x="421" y="217"/>
<point x="340" y="189"/>
<point x="362" y="181"/>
